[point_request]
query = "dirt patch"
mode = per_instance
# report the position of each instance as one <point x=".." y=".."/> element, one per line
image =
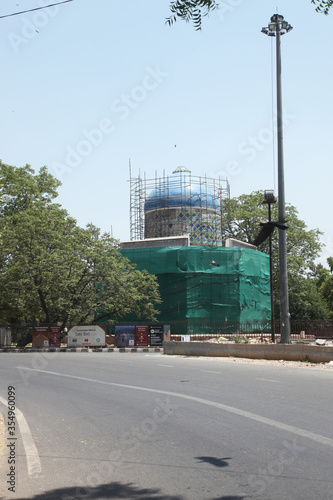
<point x="271" y="362"/>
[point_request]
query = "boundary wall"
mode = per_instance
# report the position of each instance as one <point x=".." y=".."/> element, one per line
<point x="287" y="352"/>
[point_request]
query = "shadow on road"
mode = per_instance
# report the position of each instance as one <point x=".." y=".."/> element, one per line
<point x="112" y="490"/>
<point x="230" y="498"/>
<point x="218" y="462"/>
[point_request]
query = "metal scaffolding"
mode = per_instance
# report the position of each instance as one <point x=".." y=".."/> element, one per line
<point x="178" y="204"/>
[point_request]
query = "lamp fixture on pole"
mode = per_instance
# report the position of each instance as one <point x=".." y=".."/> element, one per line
<point x="277" y="27"/>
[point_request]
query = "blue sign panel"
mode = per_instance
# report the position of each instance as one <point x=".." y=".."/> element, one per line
<point x="124" y="336"/>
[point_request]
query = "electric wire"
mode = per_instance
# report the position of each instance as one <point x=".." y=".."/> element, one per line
<point x="37" y="8"/>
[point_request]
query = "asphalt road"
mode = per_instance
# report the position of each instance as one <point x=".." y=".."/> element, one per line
<point x="148" y="426"/>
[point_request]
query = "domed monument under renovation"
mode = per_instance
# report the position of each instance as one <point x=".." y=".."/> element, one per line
<point x="182" y="204"/>
<point x="176" y="227"/>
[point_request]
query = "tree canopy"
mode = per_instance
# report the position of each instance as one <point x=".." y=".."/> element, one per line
<point x="20" y="189"/>
<point x="242" y="216"/>
<point x="51" y="270"/>
<point x="196" y="10"/>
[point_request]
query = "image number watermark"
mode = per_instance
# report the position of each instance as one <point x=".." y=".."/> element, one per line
<point x="11" y="439"/>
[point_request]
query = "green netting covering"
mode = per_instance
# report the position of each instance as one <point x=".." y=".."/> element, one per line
<point x="194" y="291"/>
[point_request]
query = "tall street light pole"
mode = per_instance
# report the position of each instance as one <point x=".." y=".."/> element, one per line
<point x="269" y="199"/>
<point x="277" y="27"/>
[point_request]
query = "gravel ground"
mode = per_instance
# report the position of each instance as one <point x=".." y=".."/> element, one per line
<point x="271" y="362"/>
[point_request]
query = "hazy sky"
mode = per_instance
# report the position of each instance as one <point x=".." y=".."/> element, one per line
<point x="88" y="85"/>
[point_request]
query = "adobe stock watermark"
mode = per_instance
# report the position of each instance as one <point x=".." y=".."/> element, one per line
<point x="32" y="25"/>
<point x="121" y="109"/>
<point x="227" y="7"/>
<point x="39" y="361"/>
<point x="274" y="469"/>
<point x="130" y="441"/>
<point x="254" y="145"/>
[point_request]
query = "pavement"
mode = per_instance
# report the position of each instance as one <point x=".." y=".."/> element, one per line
<point x="145" y="425"/>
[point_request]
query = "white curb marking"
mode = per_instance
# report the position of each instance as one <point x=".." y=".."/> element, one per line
<point x="31" y="452"/>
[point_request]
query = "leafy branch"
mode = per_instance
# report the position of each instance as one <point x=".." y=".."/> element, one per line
<point x="323" y="6"/>
<point x="191" y="10"/>
<point x="196" y="10"/>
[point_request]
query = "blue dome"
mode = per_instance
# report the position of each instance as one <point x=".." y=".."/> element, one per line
<point x="177" y="191"/>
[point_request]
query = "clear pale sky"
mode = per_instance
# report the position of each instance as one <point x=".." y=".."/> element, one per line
<point x="91" y="84"/>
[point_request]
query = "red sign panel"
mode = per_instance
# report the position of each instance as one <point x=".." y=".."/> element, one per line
<point x="40" y="336"/>
<point x="55" y="336"/>
<point x="141" y="335"/>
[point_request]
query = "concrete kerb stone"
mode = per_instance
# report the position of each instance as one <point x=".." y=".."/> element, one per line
<point x="287" y="352"/>
<point x="83" y="349"/>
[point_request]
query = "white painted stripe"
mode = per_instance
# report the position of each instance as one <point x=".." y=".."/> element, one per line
<point x="168" y="366"/>
<point x="258" y="418"/>
<point x="269" y="380"/>
<point x="209" y="371"/>
<point x="33" y="461"/>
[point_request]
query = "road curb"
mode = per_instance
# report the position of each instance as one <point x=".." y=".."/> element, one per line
<point x="77" y="349"/>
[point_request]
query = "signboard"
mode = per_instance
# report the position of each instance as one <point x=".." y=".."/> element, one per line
<point x="124" y="336"/>
<point x="156" y="335"/>
<point x="185" y="338"/>
<point x="141" y="335"/>
<point x="54" y="336"/>
<point x="5" y="336"/>
<point x="40" y="334"/>
<point x="86" y="335"/>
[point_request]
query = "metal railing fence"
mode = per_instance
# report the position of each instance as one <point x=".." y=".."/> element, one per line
<point x="21" y="335"/>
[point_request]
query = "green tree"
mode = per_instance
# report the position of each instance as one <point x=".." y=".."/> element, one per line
<point x="325" y="283"/>
<point x="20" y="188"/>
<point x="241" y="218"/>
<point x="51" y="270"/>
<point x="196" y="10"/>
<point x="307" y="302"/>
